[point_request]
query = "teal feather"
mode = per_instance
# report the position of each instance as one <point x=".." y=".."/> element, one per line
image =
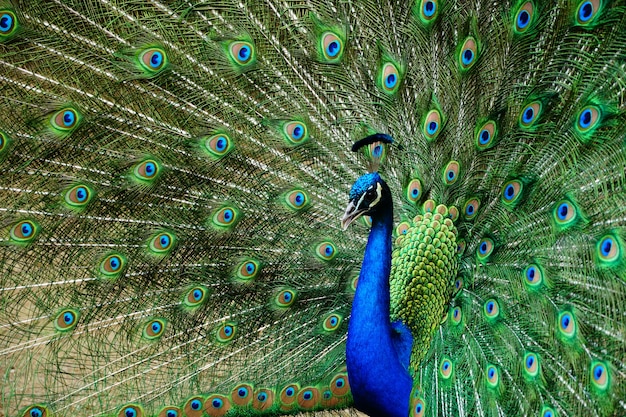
<point x="173" y="176"/>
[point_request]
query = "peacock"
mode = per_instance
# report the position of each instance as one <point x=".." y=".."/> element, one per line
<point x="276" y="207"/>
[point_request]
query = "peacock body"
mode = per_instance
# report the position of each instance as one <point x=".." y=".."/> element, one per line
<point x="173" y="186"/>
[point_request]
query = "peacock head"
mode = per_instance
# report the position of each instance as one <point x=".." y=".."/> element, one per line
<point x="369" y="195"/>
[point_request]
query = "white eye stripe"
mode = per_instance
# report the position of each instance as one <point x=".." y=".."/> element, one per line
<point x="379" y="193"/>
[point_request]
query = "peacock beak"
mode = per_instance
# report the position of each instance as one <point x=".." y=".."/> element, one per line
<point x="352" y="213"/>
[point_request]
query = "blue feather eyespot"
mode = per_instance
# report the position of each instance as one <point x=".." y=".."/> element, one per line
<point x="564" y="214"/>
<point x="112" y="265"/>
<point x="78" y="196"/>
<point x="331" y="46"/>
<point x="414" y="191"/>
<point x="5" y="141"/>
<point x="566" y="324"/>
<point x="162" y="243"/>
<point x="389" y="78"/>
<point x="8" y="24"/>
<point x="609" y="250"/>
<point x="247" y="270"/>
<point x="194" y="407"/>
<point x="332" y="322"/>
<point x="242" y="395"/>
<point x="460" y="246"/>
<point x="470" y="210"/>
<point x="295" y="132"/>
<point x="263" y="399"/>
<point x="524" y="17"/>
<point x="217" y="405"/>
<point x="326" y="251"/>
<point x="418" y="408"/>
<point x="170" y="412"/>
<point x="402" y="229"/>
<point x="37" y="410"/>
<point x="226" y="217"/>
<point x="533" y="276"/>
<point x="531" y="365"/>
<point x="587" y="11"/>
<point x="242" y="53"/>
<point x="530" y="114"/>
<point x="65" y="120"/>
<point x="297" y="200"/>
<point x="588" y="118"/>
<point x="458" y="284"/>
<point x="491" y="309"/>
<point x="66" y="320"/>
<point x="468" y="53"/>
<point x="486" y="135"/>
<point x="432" y="125"/>
<point x="445" y="368"/>
<point x="284" y="298"/>
<point x="493" y="377"/>
<point x="24" y="231"/>
<point x="339" y="385"/>
<point x="152" y="60"/>
<point x="218" y="146"/>
<point x="308" y="398"/>
<point x="195" y="297"/>
<point x="154" y="329"/>
<point x="131" y="410"/>
<point x="484" y="249"/>
<point x="600" y="376"/>
<point x="451" y="173"/>
<point x="147" y="171"/>
<point x="512" y="192"/>
<point x="288" y="395"/>
<point x="429" y="10"/>
<point x="226" y="332"/>
<point x="548" y="412"/>
<point x="456" y="315"/>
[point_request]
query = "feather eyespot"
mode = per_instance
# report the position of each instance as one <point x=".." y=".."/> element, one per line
<point x="218" y="146"/>
<point x="8" y="24"/>
<point x="242" y="53"/>
<point x="153" y="60"/>
<point x="531" y="364"/>
<point x="468" y="54"/>
<point x="533" y="275"/>
<point x="326" y="251"/>
<point x="242" y="394"/>
<point x="194" y="407"/>
<point x="332" y="47"/>
<point x="112" y="265"/>
<point x="547" y="412"/>
<point x="471" y="208"/>
<point x="460" y="246"/>
<point x="492" y="375"/>
<point x="65" y="120"/>
<point x="484" y="249"/>
<point x="511" y="192"/>
<point x="195" y="297"/>
<point x="170" y="412"/>
<point x="332" y="322"/>
<point x="24" y="231"/>
<point x="340" y="386"/>
<point x="389" y="78"/>
<point x="429" y="10"/>
<point x="530" y="114"/>
<point x="445" y="368"/>
<point x="297" y="200"/>
<point x="147" y="171"/>
<point x="432" y="125"/>
<point x="248" y="270"/>
<point x="285" y="298"/>
<point x="226" y="217"/>
<point x="131" y="410"/>
<point x="295" y="132"/>
<point x="599" y="375"/>
<point x="66" y="320"/>
<point x="567" y="324"/>
<point x="288" y="396"/>
<point x="414" y="191"/>
<point x="402" y="228"/>
<point x="524" y="17"/>
<point x="162" y="243"/>
<point x="587" y="11"/>
<point x="419" y="408"/>
<point x="456" y="315"/>
<point x="217" y="405"/>
<point x="154" y="329"/>
<point x="609" y="250"/>
<point x="564" y="214"/>
<point x="226" y="332"/>
<point x="451" y="173"/>
<point x="263" y="399"/>
<point x="588" y="118"/>
<point x="36" y="411"/>
<point x="78" y="196"/>
<point x="308" y="397"/>
<point x="5" y="141"/>
<point x="491" y="309"/>
<point x="486" y="135"/>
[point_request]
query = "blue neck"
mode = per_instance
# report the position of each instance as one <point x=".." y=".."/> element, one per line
<point x="380" y="384"/>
